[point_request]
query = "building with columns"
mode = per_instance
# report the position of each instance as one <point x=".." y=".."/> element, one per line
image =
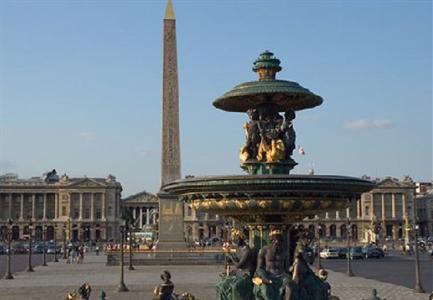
<point x="424" y="205"/>
<point x="72" y="208"/>
<point x="384" y="213"/>
<point x="144" y="208"/>
<point x="199" y="225"/>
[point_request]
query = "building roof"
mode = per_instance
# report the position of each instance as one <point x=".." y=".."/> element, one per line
<point x="141" y="197"/>
<point x="53" y="180"/>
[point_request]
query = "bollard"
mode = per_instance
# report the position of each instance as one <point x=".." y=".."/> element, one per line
<point x="102" y="295"/>
<point x="374" y="296"/>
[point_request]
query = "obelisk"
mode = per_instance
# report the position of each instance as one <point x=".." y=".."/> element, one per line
<point x="171" y="229"/>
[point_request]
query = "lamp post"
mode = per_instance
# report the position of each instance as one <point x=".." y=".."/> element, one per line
<point x="55" y="244"/>
<point x="376" y="229"/>
<point x="122" y="287"/>
<point x="348" y="254"/>
<point x="418" y="286"/>
<point x="319" y="264"/>
<point x="131" y="267"/>
<point x="64" y="241"/>
<point x="8" y="270"/>
<point x="29" y="266"/>
<point x="44" y="238"/>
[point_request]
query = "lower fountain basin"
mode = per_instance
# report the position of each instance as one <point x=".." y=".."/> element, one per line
<point x="269" y="198"/>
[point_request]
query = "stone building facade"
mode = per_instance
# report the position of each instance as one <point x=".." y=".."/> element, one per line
<point x="424" y="204"/>
<point x="200" y="225"/>
<point x="144" y="208"/>
<point x="383" y="214"/>
<point x="73" y="208"/>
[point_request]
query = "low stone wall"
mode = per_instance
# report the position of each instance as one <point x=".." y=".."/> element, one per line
<point x="168" y="258"/>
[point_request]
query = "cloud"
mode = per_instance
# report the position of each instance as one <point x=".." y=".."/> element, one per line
<point x="146" y="152"/>
<point x="368" y="124"/>
<point x="88" y="136"/>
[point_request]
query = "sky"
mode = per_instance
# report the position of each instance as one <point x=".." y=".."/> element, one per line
<point x="81" y="85"/>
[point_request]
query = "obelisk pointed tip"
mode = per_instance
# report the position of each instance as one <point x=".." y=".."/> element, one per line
<point x="169" y="11"/>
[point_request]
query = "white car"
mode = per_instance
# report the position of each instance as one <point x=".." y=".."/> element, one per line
<point x="329" y="253"/>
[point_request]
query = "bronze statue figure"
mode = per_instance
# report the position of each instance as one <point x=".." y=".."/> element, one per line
<point x="289" y="134"/>
<point x="272" y="274"/>
<point x="237" y="284"/>
<point x="164" y="291"/>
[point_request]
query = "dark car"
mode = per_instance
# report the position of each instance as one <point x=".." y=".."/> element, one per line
<point x="19" y="249"/>
<point x="356" y="253"/>
<point x="375" y="253"/>
<point x="38" y="249"/>
<point x="2" y="250"/>
<point x="342" y="252"/>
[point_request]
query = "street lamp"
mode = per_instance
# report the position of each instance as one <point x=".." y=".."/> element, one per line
<point x="64" y="241"/>
<point x="8" y="270"/>
<point x="376" y="229"/>
<point x="418" y="286"/>
<point x="131" y="267"/>
<point x="122" y="287"/>
<point x="318" y="265"/>
<point x="348" y="254"/>
<point x="44" y="238"/>
<point x="30" y="267"/>
<point x="55" y="244"/>
<point x="393" y="237"/>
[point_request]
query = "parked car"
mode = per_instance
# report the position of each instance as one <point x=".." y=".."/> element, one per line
<point x="342" y="252"/>
<point x="2" y="250"/>
<point x="19" y="249"/>
<point x="356" y="253"/>
<point x="38" y="249"/>
<point x="329" y="253"/>
<point x="374" y="253"/>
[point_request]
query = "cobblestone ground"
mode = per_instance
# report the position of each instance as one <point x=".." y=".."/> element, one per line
<point x="53" y="282"/>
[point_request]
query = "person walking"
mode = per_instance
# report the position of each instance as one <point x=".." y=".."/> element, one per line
<point x="80" y="254"/>
<point x="73" y="255"/>
<point x="68" y="261"/>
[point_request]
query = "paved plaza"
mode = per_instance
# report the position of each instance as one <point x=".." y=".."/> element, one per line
<point x="53" y="282"/>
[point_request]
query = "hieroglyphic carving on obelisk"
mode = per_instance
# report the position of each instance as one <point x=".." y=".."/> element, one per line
<point x="171" y="231"/>
<point x="170" y="159"/>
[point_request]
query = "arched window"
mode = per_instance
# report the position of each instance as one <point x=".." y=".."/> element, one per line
<point x="15" y="233"/>
<point x="354" y="232"/>
<point x="343" y="231"/>
<point x="311" y="229"/>
<point x="333" y="231"/>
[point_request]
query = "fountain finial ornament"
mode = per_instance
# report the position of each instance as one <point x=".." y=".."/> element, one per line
<point x="267" y="66"/>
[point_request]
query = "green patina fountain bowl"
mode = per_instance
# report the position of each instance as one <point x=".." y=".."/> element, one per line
<point x="282" y="94"/>
<point x="269" y="198"/>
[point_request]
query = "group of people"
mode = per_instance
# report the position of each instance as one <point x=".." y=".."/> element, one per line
<point x="75" y="254"/>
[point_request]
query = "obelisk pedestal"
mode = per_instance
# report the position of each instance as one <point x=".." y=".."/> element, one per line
<point x="171" y="228"/>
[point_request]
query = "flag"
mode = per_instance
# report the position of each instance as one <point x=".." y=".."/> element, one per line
<point x="301" y="150"/>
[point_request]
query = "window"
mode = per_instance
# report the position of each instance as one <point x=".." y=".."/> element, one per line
<point x="63" y="210"/>
<point x="76" y="213"/>
<point x="367" y="210"/>
<point x="98" y="214"/>
<point x="87" y="213"/>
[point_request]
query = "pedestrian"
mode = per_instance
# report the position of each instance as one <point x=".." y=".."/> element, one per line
<point x="73" y="255"/>
<point x="68" y="261"/>
<point x="81" y="254"/>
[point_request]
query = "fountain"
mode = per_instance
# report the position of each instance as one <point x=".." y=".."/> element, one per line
<point x="269" y="201"/>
